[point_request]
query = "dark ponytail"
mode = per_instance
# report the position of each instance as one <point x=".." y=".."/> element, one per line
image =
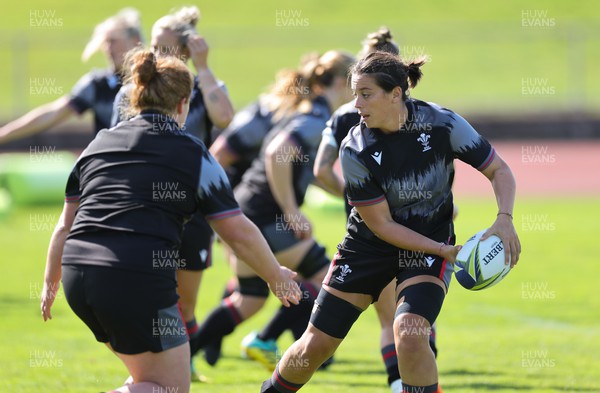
<point x="413" y="70"/>
<point x="379" y="41"/>
<point x="390" y="71"/>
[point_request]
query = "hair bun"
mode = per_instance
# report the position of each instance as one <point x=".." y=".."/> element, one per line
<point x="188" y="15"/>
<point x="383" y="36"/>
<point x="144" y="67"/>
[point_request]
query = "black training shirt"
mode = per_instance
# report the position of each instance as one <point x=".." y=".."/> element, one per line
<point x="411" y="169"/>
<point x="96" y="90"/>
<point x="147" y="176"/>
<point x="304" y="132"/>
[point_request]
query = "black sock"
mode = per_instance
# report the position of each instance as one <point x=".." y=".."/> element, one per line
<point x="419" y="389"/>
<point x="212" y="351"/>
<point x="391" y="363"/>
<point x="295" y="317"/>
<point x="267" y="387"/>
<point x="219" y="323"/>
<point x="277" y="384"/>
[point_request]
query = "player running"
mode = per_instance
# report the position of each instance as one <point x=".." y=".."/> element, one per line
<point x="401" y="144"/>
<point x="273" y="189"/>
<point x="235" y="149"/>
<point x="176" y="35"/>
<point x="96" y="90"/>
<point x="239" y="144"/>
<point x="338" y="127"/>
<point x="126" y="201"/>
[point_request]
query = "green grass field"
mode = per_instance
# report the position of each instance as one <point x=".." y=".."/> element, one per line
<point x="537" y="331"/>
<point x="508" y="56"/>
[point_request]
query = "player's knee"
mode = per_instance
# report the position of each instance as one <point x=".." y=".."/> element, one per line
<point x="415" y="315"/>
<point x="411" y="334"/>
<point x="424" y="299"/>
<point x="333" y="316"/>
<point x="314" y="347"/>
<point x="253" y="286"/>
<point x="314" y="262"/>
<point x="250" y="296"/>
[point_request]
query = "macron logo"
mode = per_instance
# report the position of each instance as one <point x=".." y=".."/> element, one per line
<point x="429" y="261"/>
<point x="377" y="157"/>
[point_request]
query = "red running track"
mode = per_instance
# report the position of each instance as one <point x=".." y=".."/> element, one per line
<point x="541" y="168"/>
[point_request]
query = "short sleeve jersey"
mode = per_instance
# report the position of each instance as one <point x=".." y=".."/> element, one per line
<point x="96" y="90"/>
<point x="245" y="135"/>
<point x="197" y="122"/>
<point x="342" y="120"/>
<point x="148" y="177"/>
<point x="304" y="132"/>
<point x="412" y="169"/>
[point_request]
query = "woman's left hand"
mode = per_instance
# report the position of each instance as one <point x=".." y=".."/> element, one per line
<point x="449" y="252"/>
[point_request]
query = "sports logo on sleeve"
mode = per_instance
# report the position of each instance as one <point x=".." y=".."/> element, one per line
<point x="424" y="139"/>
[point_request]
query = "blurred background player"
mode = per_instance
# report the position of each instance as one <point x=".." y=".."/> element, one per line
<point x="240" y="144"/>
<point x="113" y="228"/>
<point x="96" y="90"/>
<point x="176" y="35"/>
<point x="272" y="191"/>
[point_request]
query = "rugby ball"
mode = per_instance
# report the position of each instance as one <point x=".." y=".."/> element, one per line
<point x="480" y="263"/>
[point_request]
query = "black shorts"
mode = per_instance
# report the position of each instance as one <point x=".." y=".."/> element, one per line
<point x="279" y="236"/>
<point x="134" y="311"/>
<point x="196" y="244"/>
<point x="356" y="268"/>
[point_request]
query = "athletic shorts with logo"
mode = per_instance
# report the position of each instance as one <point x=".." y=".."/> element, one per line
<point x="358" y="268"/>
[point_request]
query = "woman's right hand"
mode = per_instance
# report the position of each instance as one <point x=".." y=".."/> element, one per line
<point x="285" y="287"/>
<point x="49" y="293"/>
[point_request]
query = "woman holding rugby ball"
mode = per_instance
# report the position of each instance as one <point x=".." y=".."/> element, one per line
<point x="400" y="144"/>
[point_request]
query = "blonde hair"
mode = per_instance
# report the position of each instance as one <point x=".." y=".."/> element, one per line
<point x="158" y="83"/>
<point x="295" y="89"/>
<point x="127" y="21"/>
<point x="182" y="22"/>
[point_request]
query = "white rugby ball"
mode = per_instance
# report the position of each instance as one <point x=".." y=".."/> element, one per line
<point x="480" y="264"/>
